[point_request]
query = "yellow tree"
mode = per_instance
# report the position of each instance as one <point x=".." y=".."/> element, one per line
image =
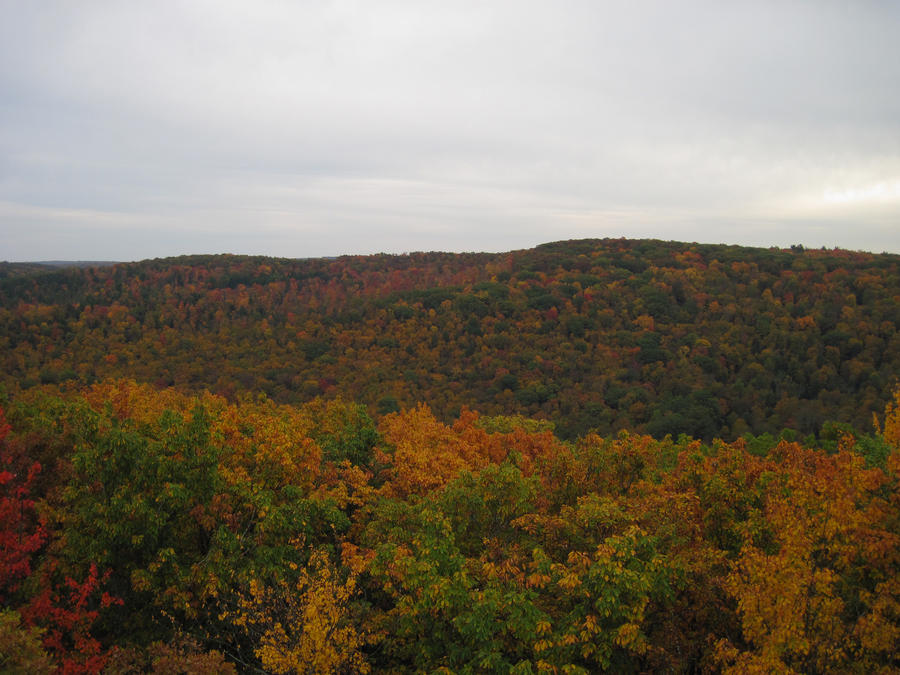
<point x="816" y="579"/>
<point x="304" y="627"/>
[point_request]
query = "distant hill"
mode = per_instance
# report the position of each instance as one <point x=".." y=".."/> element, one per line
<point x="17" y="268"/>
<point x="653" y="336"/>
<point x="77" y="263"/>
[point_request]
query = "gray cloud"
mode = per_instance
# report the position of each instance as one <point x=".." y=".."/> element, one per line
<point x="132" y="130"/>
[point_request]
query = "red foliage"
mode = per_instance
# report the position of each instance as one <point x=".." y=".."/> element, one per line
<point x="21" y="534"/>
<point x="67" y="613"/>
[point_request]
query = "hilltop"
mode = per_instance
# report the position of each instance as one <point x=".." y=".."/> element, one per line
<point x="652" y="336"/>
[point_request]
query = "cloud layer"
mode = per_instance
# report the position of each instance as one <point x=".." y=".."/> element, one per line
<point x="134" y="130"/>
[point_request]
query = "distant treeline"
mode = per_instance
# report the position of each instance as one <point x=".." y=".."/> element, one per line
<point x="655" y="337"/>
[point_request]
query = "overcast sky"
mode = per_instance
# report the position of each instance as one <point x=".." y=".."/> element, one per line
<point x="138" y="129"/>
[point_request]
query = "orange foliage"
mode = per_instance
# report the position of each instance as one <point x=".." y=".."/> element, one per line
<point x="428" y="454"/>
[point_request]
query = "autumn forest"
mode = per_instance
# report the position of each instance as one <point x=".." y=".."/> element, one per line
<point x="627" y="456"/>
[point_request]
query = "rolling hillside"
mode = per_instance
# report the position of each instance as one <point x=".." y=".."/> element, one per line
<point x="652" y="336"/>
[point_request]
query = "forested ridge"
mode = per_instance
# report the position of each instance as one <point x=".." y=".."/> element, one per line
<point x="602" y="335"/>
<point x="592" y="456"/>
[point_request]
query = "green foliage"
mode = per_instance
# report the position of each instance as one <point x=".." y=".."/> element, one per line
<point x="483" y="507"/>
<point x="388" y="404"/>
<point x="346" y="432"/>
<point x="21" y="651"/>
<point x="136" y="501"/>
<point x="505" y="424"/>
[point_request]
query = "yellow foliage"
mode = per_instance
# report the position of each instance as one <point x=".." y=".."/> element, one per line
<point x="877" y="632"/>
<point x="270" y="443"/>
<point x="305" y="628"/>
<point x="628" y="635"/>
<point x="144" y="403"/>
<point x="891" y="431"/>
<point x="346" y="484"/>
<point x="789" y="600"/>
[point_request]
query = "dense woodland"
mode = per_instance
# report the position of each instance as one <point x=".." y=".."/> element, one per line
<point x="144" y="530"/>
<point x="649" y="336"/>
<point x="594" y="456"/>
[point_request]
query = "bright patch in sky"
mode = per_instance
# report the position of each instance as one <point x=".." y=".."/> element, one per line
<point x="877" y="192"/>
